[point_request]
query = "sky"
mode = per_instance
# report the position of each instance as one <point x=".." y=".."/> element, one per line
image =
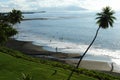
<point x="37" y="5"/>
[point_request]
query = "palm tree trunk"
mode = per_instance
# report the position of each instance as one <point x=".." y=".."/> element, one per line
<point x="81" y="57"/>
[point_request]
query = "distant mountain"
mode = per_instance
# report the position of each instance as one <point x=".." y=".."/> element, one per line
<point x="74" y="8"/>
<point x="70" y="8"/>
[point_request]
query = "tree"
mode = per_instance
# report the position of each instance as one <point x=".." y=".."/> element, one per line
<point x="6" y="31"/>
<point x="7" y="20"/>
<point x="15" y="16"/>
<point x="105" y="19"/>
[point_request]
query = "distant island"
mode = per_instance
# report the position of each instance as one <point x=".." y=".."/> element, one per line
<point x="33" y="12"/>
<point x="25" y="12"/>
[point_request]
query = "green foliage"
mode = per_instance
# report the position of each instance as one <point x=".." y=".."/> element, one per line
<point x="96" y="74"/>
<point x="3" y="38"/>
<point x="7" y="20"/>
<point x="6" y="31"/>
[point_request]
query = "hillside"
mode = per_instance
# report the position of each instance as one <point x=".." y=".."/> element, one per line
<point x="14" y="63"/>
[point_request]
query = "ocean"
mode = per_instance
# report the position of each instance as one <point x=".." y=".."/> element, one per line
<point x="72" y="32"/>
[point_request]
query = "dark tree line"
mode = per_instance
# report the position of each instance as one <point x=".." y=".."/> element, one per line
<point x="7" y="21"/>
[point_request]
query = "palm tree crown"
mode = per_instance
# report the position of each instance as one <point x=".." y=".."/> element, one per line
<point x="15" y="16"/>
<point x="105" y="18"/>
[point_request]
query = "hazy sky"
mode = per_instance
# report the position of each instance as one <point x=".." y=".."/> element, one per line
<point x="6" y="5"/>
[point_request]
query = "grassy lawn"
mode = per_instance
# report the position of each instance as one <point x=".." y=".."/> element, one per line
<point x="11" y="68"/>
<point x="14" y="63"/>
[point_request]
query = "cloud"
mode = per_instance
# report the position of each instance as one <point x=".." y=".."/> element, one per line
<point x="99" y="4"/>
<point x="17" y="4"/>
<point x="30" y="5"/>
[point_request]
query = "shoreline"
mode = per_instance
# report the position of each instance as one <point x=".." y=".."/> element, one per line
<point x="30" y="49"/>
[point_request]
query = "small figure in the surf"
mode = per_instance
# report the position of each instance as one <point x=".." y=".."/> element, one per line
<point x="56" y="49"/>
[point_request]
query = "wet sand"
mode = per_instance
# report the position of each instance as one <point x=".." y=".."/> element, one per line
<point x="92" y="65"/>
<point x="30" y="49"/>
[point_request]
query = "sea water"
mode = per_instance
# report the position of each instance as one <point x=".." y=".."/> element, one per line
<point x="72" y="32"/>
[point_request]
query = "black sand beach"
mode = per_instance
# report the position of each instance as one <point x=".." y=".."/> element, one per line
<point x="33" y="50"/>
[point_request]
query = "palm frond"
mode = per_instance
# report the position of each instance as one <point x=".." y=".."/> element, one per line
<point x="105" y="18"/>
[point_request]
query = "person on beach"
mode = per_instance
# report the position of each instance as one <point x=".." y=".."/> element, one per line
<point x="50" y="40"/>
<point x="56" y="49"/>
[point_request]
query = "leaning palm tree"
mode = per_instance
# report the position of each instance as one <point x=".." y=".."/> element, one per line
<point x="104" y="20"/>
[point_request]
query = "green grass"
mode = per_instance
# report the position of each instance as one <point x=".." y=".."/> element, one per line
<point x="14" y="63"/>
